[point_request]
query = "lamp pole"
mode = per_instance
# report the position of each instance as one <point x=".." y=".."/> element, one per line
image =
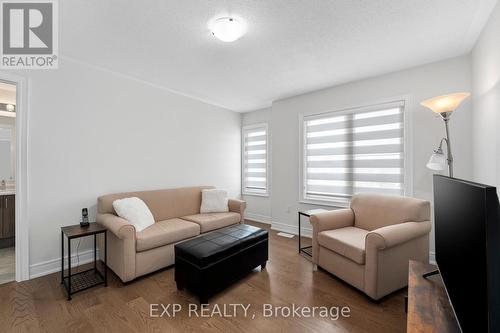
<point x="446" y="119"/>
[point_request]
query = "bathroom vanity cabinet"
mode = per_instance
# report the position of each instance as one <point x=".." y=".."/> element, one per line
<point x="7" y="216"/>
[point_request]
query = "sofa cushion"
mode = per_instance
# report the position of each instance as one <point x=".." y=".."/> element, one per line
<point x="165" y="232"/>
<point x="135" y="211"/>
<point x="214" y="201"/>
<point x="164" y="204"/>
<point x="212" y="221"/>
<point x="348" y="241"/>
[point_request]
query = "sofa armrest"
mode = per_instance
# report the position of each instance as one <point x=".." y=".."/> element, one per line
<point x="396" y="234"/>
<point x="334" y="219"/>
<point x="121" y="246"/>
<point x="120" y="227"/>
<point x="237" y="206"/>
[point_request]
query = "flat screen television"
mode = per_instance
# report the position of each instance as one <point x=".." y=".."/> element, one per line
<point x="467" y="230"/>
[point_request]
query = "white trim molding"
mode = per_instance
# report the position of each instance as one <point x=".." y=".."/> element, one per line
<point x="22" y="224"/>
<point x="54" y="265"/>
<point x="258" y="218"/>
<point x="291" y="229"/>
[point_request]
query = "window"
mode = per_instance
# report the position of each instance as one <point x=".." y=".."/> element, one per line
<point x="351" y="151"/>
<point x="254" y="161"/>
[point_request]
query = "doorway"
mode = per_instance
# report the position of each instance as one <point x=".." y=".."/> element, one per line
<point x="16" y="201"/>
<point x="8" y="102"/>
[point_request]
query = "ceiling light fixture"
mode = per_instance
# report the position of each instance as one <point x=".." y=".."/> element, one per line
<point x="228" y="29"/>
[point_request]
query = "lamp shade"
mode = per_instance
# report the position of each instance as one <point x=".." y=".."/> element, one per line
<point x="445" y="103"/>
<point x="437" y="161"/>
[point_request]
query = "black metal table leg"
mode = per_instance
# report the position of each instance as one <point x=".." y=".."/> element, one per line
<point x="69" y="269"/>
<point x="62" y="257"/>
<point x="95" y="255"/>
<point x="105" y="258"/>
<point x="299" y="234"/>
<point x="306" y="249"/>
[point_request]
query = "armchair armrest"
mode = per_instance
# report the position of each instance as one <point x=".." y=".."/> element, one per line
<point x="120" y="227"/>
<point x="396" y="234"/>
<point x="382" y="255"/>
<point x="237" y="206"/>
<point x="334" y="219"/>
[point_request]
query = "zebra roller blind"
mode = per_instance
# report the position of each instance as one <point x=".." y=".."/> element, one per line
<point x="255" y="159"/>
<point x="358" y="150"/>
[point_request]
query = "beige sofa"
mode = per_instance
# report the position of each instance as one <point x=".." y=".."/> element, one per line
<point x="370" y="244"/>
<point x="177" y="218"/>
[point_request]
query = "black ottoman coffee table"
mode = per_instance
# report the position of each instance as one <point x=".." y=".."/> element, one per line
<point x="210" y="262"/>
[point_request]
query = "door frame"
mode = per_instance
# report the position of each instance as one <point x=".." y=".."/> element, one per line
<point x="22" y="225"/>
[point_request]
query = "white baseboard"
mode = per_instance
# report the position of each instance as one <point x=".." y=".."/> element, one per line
<point x="432" y="257"/>
<point x="54" y="265"/>
<point x="258" y="218"/>
<point x="291" y="229"/>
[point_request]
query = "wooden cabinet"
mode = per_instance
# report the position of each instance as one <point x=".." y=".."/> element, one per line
<point x="7" y="216"/>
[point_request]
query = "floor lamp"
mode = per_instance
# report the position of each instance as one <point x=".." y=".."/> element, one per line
<point x="444" y="106"/>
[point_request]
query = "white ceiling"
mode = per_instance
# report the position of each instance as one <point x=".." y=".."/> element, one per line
<point x="292" y="46"/>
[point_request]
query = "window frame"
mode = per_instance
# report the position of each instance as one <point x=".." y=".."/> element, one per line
<point x="243" y="182"/>
<point x="406" y="100"/>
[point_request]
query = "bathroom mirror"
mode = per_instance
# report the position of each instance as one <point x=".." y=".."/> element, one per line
<point x="7" y="154"/>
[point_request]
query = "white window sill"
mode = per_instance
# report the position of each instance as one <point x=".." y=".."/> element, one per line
<point x="264" y="195"/>
<point x="337" y="204"/>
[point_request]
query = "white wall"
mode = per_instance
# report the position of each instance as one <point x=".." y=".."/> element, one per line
<point x="93" y="132"/>
<point x="417" y="83"/>
<point x="486" y="97"/>
<point x="259" y="207"/>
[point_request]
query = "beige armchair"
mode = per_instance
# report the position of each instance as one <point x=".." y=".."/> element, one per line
<point x="370" y="244"/>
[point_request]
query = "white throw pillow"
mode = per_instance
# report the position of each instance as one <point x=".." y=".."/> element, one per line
<point x="135" y="211"/>
<point x="214" y="201"/>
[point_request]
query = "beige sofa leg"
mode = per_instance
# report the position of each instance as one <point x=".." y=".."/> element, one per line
<point x="315" y="267"/>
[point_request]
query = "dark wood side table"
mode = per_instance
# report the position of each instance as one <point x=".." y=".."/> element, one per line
<point x="307" y="250"/>
<point x="74" y="283"/>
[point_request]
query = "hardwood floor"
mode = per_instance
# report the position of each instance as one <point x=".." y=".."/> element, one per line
<point x="40" y="305"/>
